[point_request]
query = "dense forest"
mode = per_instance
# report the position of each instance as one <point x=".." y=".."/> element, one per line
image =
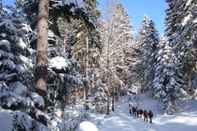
<point x="62" y="59"/>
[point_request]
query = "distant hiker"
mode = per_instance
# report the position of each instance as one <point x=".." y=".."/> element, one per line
<point x="145" y="115"/>
<point x="134" y="111"/>
<point x="150" y="115"/>
<point x="141" y="113"/>
<point x="86" y="107"/>
<point x="138" y="112"/>
<point x="130" y="99"/>
<point x="130" y="109"/>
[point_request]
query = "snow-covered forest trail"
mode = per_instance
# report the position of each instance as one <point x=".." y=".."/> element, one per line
<point x="120" y="120"/>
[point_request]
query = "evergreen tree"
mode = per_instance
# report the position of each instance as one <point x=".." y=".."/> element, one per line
<point x="173" y="19"/>
<point x="16" y="79"/>
<point x="185" y="48"/>
<point x="176" y="75"/>
<point x="149" y="40"/>
<point x="183" y="41"/>
<point x="17" y="87"/>
<point x="136" y="70"/>
<point x="117" y="40"/>
<point x="119" y="36"/>
<point x="168" y="83"/>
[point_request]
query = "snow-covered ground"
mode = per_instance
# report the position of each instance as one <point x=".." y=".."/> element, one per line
<point x="86" y="125"/>
<point x="121" y="121"/>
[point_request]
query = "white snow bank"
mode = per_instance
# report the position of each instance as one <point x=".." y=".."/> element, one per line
<point x="87" y="126"/>
<point x="18" y="121"/>
<point x="6" y="121"/>
<point x="58" y="63"/>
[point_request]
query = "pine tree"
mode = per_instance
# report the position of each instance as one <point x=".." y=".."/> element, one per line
<point x="149" y="40"/>
<point x="183" y="41"/>
<point x="119" y="36"/>
<point x="136" y="70"/>
<point x="167" y="84"/>
<point x="61" y="10"/>
<point x="176" y="71"/>
<point x="117" y="40"/>
<point x="173" y="19"/>
<point x="17" y="90"/>
<point x="86" y="44"/>
<point x="186" y="45"/>
<point x="122" y="43"/>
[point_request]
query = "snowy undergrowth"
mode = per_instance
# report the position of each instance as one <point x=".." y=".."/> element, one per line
<point x="21" y="121"/>
<point x="121" y="121"/>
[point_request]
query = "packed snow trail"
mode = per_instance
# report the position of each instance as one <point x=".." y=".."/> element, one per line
<point x="120" y="120"/>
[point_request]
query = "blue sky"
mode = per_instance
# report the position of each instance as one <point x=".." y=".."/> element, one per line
<point x="155" y="9"/>
<point x="137" y="9"/>
<point x="9" y="2"/>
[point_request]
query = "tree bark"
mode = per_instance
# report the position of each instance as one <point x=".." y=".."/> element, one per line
<point x="108" y="105"/>
<point x="113" y="101"/>
<point x="1" y="6"/>
<point x="86" y="70"/>
<point x="191" y="91"/>
<point x="42" y="46"/>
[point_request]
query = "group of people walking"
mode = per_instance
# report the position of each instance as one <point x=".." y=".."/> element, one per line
<point x="147" y="116"/>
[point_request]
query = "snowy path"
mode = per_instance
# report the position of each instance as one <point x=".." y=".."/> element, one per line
<point x="121" y="121"/>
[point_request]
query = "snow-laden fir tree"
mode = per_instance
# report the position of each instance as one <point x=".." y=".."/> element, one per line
<point x="167" y="84"/>
<point x="174" y="73"/>
<point x="117" y="39"/>
<point x="122" y="43"/>
<point x="186" y="45"/>
<point x="173" y="19"/>
<point x="136" y="70"/>
<point x="16" y="80"/>
<point x="16" y="64"/>
<point x="66" y="10"/>
<point x="181" y="36"/>
<point x="84" y="45"/>
<point x="148" y="39"/>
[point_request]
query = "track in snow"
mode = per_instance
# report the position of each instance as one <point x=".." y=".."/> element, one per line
<point x="120" y="120"/>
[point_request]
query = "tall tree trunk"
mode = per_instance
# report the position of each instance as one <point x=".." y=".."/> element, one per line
<point x="191" y="91"/>
<point x="86" y="69"/>
<point x="108" y="105"/>
<point x="1" y="6"/>
<point x="113" y="101"/>
<point x="108" y="81"/>
<point x="42" y="46"/>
